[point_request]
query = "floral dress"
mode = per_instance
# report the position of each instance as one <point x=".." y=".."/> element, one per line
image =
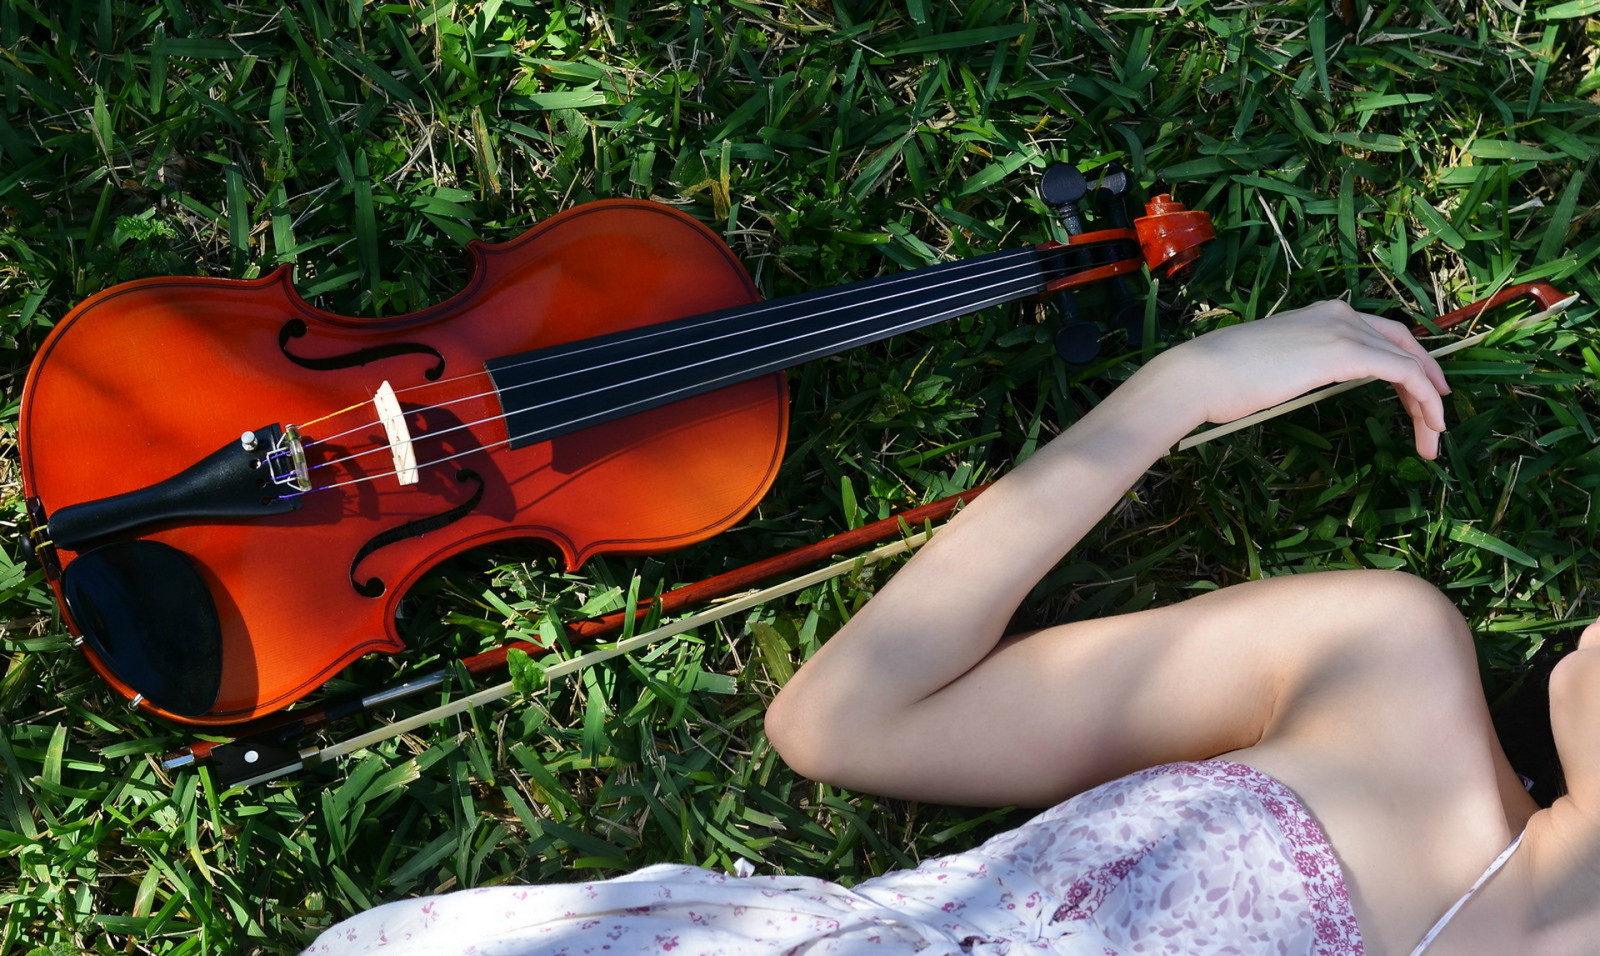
<point x="1188" y="858"/>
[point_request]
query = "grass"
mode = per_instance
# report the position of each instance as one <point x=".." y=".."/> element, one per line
<point x="1414" y="160"/>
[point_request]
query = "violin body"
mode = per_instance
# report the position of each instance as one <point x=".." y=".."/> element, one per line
<point x="141" y="381"/>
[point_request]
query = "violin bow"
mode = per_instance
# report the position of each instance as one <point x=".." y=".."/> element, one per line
<point x="249" y="761"/>
<point x="278" y="764"/>
<point x="262" y="749"/>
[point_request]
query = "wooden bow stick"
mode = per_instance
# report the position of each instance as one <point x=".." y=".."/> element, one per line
<point x="313" y="756"/>
<point x="264" y="748"/>
<point x="277" y="761"/>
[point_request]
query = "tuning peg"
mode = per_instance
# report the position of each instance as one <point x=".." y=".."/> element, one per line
<point x="1078" y="340"/>
<point x="1061" y="188"/>
<point x="1109" y="179"/>
<point x="1110" y="183"/>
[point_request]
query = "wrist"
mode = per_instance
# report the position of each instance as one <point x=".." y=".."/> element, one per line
<point x="1167" y="396"/>
<point x="1136" y="424"/>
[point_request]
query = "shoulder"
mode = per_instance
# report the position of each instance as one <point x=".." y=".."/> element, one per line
<point x="1385" y="737"/>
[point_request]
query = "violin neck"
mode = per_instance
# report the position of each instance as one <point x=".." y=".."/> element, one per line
<point x="584" y="383"/>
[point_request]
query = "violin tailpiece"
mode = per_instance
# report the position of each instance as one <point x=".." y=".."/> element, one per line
<point x="228" y="483"/>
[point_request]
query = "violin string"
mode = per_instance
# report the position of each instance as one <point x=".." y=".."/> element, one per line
<point x="274" y="456"/>
<point x="996" y="293"/>
<point x="570" y="424"/>
<point x="606" y="413"/>
<point x="1029" y="276"/>
<point x="318" y="421"/>
<point x="987" y="267"/>
<point x="949" y="273"/>
<point x="613" y="384"/>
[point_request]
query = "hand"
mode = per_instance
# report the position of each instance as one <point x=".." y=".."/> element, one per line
<point x="1233" y="372"/>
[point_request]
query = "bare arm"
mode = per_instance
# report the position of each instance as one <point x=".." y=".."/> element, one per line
<point x="918" y="696"/>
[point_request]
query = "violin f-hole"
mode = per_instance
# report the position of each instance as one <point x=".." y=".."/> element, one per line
<point x="296" y="328"/>
<point x="374" y="587"/>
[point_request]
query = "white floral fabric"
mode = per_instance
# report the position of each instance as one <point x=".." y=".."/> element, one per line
<point x="1193" y="858"/>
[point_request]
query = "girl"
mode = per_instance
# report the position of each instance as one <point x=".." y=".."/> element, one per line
<point x="1294" y="765"/>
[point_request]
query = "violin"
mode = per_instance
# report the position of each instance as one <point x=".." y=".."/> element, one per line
<point x="230" y="490"/>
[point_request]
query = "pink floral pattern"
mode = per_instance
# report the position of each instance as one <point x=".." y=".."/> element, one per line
<point x="1191" y="858"/>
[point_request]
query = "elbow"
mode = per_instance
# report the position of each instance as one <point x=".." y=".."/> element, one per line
<point x="801" y="735"/>
<point x="786" y="731"/>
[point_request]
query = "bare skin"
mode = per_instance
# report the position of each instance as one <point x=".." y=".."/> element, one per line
<point x="1359" y="690"/>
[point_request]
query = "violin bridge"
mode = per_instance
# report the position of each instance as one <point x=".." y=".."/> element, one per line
<point x="394" y="425"/>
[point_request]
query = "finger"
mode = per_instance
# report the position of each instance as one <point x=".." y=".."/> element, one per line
<point x="1400" y="335"/>
<point x="1420" y="372"/>
<point x="1407" y="376"/>
<point x="1425" y="432"/>
<point x="1402" y="346"/>
<point x="1427" y="444"/>
<point x="1426" y="437"/>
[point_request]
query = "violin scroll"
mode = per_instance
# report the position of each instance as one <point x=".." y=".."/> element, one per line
<point x="1167" y="239"/>
<point x="1171" y="236"/>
